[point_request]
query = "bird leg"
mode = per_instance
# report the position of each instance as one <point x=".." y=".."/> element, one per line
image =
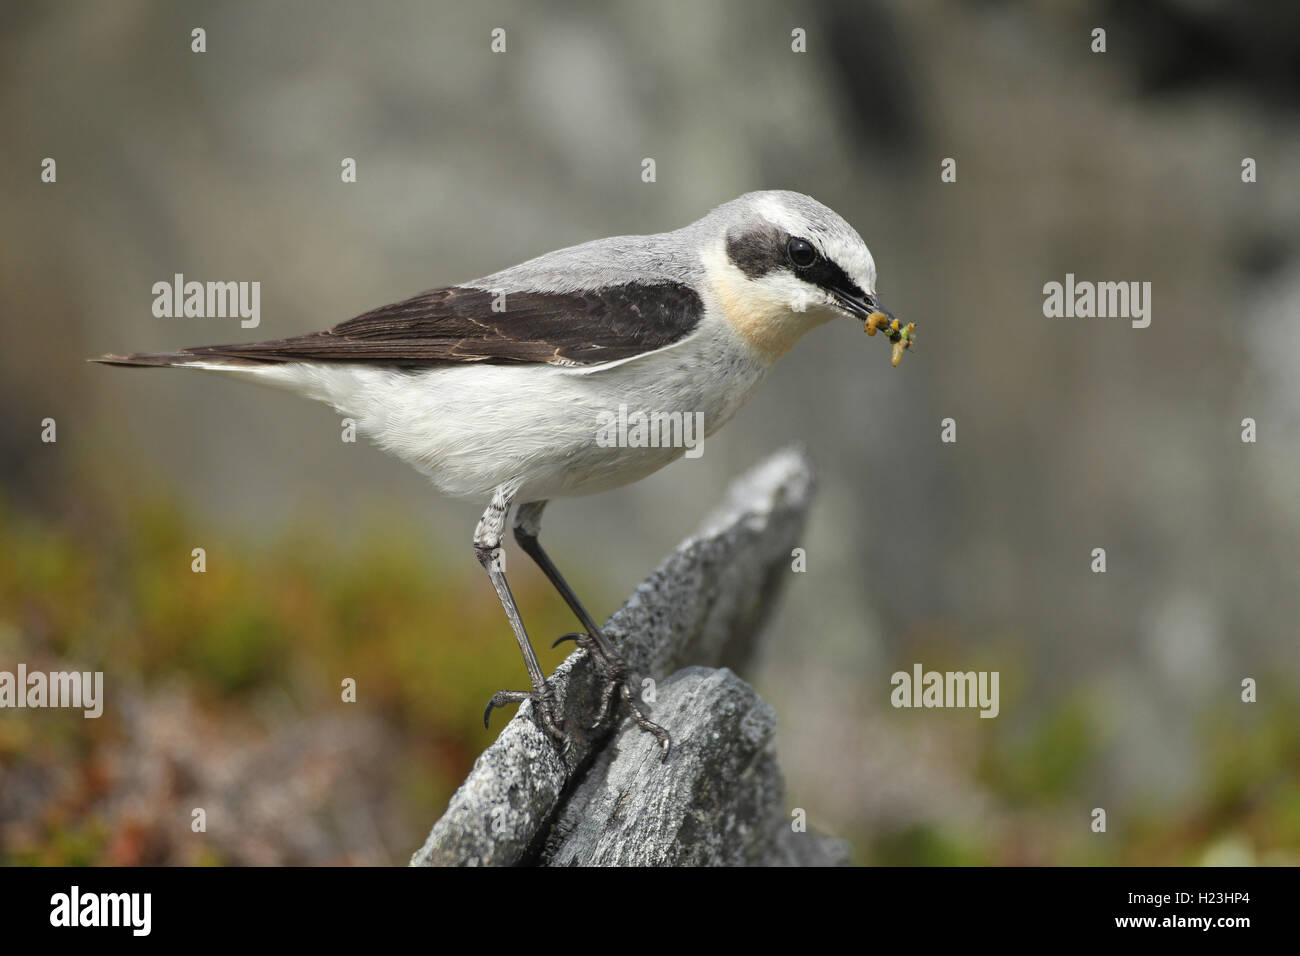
<point x="487" y="546"/>
<point x="610" y="664"/>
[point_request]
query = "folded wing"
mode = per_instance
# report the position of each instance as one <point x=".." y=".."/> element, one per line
<point x="462" y="324"/>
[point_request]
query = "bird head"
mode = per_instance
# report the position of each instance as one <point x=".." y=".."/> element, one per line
<point x="781" y="263"/>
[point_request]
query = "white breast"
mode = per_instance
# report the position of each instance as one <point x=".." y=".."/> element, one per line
<point x="533" y="428"/>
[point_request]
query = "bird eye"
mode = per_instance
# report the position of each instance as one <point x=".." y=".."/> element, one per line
<point x="801" y="253"/>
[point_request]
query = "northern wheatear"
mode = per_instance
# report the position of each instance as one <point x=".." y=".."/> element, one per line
<point x="496" y="388"/>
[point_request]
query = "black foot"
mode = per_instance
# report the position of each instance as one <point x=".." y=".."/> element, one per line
<point x="543" y="707"/>
<point x="613" y="673"/>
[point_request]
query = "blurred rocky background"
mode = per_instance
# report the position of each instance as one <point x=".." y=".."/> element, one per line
<point x="326" y="560"/>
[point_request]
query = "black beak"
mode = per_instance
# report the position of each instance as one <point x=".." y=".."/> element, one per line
<point x="859" y="304"/>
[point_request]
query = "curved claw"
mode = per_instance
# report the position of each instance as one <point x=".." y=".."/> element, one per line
<point x="614" y="691"/>
<point x="541" y="703"/>
<point x="645" y="723"/>
<point x="503" y="698"/>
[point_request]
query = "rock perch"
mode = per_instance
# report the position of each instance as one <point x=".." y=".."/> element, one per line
<point x="610" y="800"/>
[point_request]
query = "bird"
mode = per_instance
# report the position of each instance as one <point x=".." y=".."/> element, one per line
<point x="494" y="388"/>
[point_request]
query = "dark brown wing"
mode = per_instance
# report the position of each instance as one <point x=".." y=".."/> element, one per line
<point x="459" y="324"/>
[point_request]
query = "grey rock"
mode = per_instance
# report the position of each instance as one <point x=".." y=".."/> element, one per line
<point x="717" y="799"/>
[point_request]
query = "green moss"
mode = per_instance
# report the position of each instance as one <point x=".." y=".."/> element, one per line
<point x="1046" y="763"/>
<point x="925" y="845"/>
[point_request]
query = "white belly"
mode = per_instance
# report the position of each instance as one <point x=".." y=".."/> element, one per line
<point x="535" y="429"/>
